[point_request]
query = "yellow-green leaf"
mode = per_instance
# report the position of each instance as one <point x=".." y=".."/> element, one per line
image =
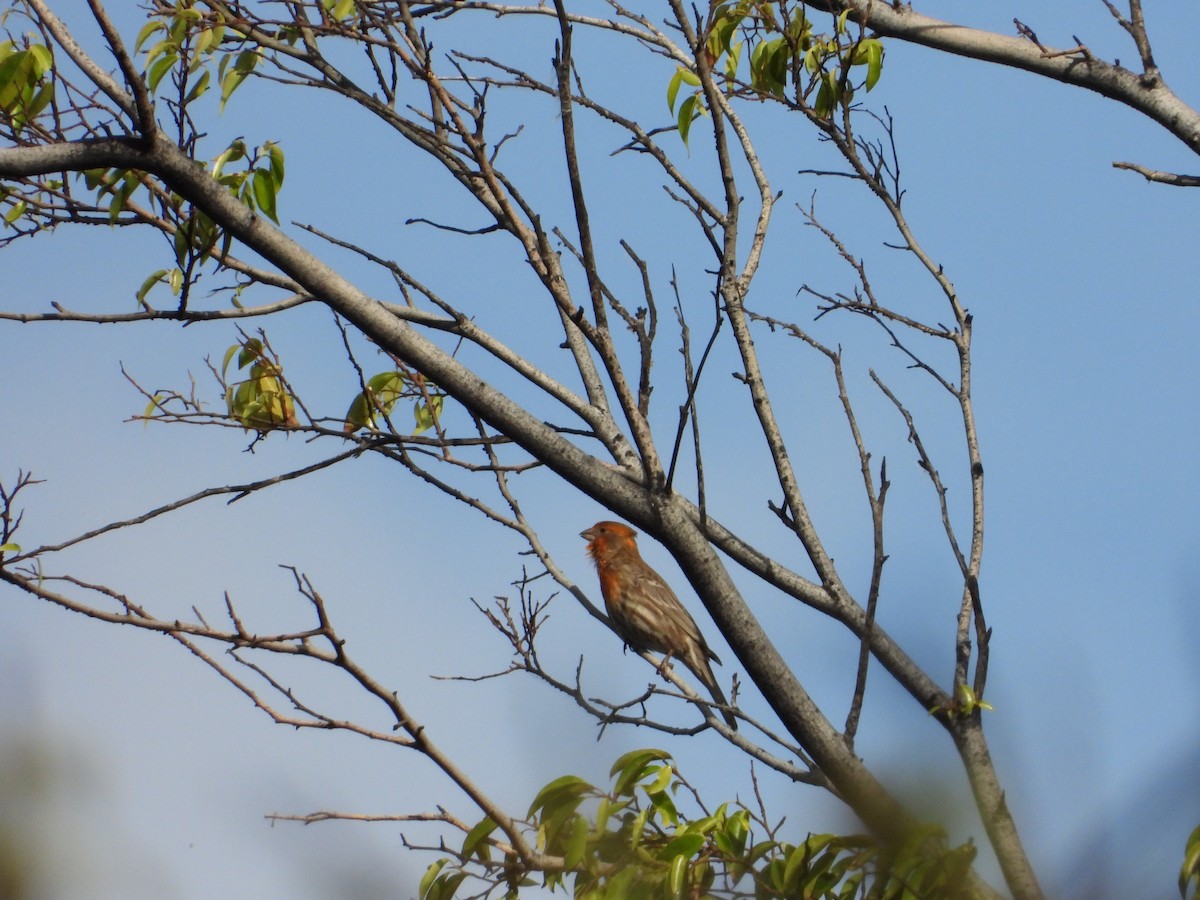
<point x="568" y="788"/>
<point x="151" y="408"/>
<point x="632" y="766"/>
<point x="577" y="844"/>
<point x="687" y="114"/>
<point x="159" y="68"/>
<point x="151" y="280"/>
<point x="148" y="30"/>
<point x="342" y="9"/>
<point x="429" y="877"/>
<point x="198" y="89"/>
<point x="475" y="843"/>
<point x="1188" y="872"/>
<point x="427" y="414"/>
<point x="18" y="210"/>
<point x="275" y="163"/>
<point x="673" y="88"/>
<point x="677" y="876"/>
<point x="263" y="187"/>
<point x="870" y="54"/>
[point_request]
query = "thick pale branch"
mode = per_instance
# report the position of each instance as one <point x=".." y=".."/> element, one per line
<point x="1144" y="92"/>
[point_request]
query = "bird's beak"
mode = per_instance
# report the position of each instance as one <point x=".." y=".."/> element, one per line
<point x="587" y="535"/>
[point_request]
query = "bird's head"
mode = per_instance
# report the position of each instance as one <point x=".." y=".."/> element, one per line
<point x="605" y="538"/>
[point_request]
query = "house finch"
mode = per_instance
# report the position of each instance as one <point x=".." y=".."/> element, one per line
<point x="645" y="612"/>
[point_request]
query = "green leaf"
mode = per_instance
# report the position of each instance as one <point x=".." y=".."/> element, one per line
<point x="427" y="414"/>
<point x="10" y="548"/>
<point x="382" y="392"/>
<point x="150" y="29"/>
<point x="251" y="352"/>
<point x="234" y="152"/>
<point x="577" y="844"/>
<point x="568" y="789"/>
<point x="662" y="780"/>
<point x="18" y="210"/>
<point x="202" y="42"/>
<point x="200" y="87"/>
<point x="122" y="191"/>
<point x="228" y="356"/>
<point x="1190" y="870"/>
<point x="632" y="766"/>
<point x="686" y="845"/>
<point x="40" y="100"/>
<point x="42" y="59"/>
<point x="232" y="79"/>
<point x="275" y="163"/>
<point x="359" y="415"/>
<point x="776" y="65"/>
<point x="429" y="877"/>
<point x="769" y="65"/>
<point x="342" y="9"/>
<point x="159" y="68"/>
<point x="872" y="51"/>
<point x="151" y="280"/>
<point x="721" y="35"/>
<point x="827" y="95"/>
<point x="152" y="407"/>
<point x="665" y="807"/>
<point x="673" y="88"/>
<point x="677" y="875"/>
<point x="263" y="187"/>
<point x="475" y="843"/>
<point x="687" y="114"/>
<point x="732" y="59"/>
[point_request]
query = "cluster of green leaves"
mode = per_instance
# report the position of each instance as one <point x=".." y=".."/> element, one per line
<point x="195" y="236"/>
<point x="186" y="40"/>
<point x="16" y="204"/>
<point x="379" y="398"/>
<point x="633" y="842"/>
<point x="785" y="49"/>
<point x="25" y="89"/>
<point x="341" y="10"/>
<point x="262" y="401"/>
<point x="257" y="186"/>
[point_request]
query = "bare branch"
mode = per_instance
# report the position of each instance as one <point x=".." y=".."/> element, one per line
<point x="1170" y="178"/>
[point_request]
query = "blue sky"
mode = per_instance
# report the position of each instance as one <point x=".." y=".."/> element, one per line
<point x="153" y="777"/>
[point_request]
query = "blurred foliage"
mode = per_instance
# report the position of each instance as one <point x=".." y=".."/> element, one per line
<point x="636" y="841"/>
<point x="1189" y="872"/>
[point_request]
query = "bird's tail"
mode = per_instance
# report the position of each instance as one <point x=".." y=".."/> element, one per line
<point x="701" y="669"/>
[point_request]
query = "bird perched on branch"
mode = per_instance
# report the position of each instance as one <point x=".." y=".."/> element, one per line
<point x="645" y="612"/>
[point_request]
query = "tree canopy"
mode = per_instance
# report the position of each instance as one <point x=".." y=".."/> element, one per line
<point x="507" y="269"/>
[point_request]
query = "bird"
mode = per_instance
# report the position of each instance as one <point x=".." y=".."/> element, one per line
<point x="644" y="610"/>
